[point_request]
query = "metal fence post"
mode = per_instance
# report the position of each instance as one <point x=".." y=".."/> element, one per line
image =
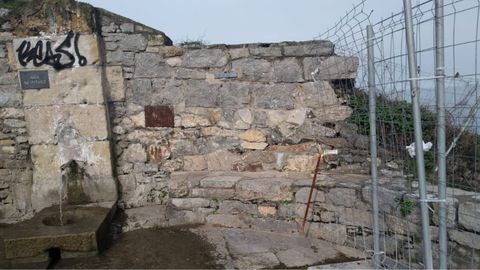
<point x="373" y="145"/>
<point x="441" y="157"/>
<point x="412" y="66"/>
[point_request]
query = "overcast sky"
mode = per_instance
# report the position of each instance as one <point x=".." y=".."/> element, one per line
<point x="241" y="21"/>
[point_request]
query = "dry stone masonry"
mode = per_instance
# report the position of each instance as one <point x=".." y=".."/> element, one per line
<point x="226" y="135"/>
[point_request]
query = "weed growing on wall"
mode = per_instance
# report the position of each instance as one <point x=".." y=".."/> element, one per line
<point x="395" y="132"/>
<point x="406" y="206"/>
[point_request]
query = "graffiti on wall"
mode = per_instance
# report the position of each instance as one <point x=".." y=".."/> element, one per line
<point x="65" y="55"/>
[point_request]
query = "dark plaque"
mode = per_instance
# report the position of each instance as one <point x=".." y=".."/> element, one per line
<point x="37" y="79"/>
<point x="159" y="116"/>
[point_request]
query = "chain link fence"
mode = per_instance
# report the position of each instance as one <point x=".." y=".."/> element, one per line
<point x="411" y="226"/>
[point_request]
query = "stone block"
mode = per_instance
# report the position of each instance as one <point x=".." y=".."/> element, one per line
<point x="468" y="239"/>
<point x="190" y="203"/>
<point x="185" y="217"/>
<point x="7" y="150"/>
<point x="301" y="163"/>
<point x="332" y="68"/>
<point x="469" y="215"/>
<point x="275" y="97"/>
<point x="127" y="27"/>
<point x="229" y="221"/>
<point x="115" y="86"/>
<point x="311" y="148"/>
<point x="192" y="120"/>
<point x="204" y="58"/>
<point x="146" y="136"/>
<point x="254" y="146"/>
<point x="246" y="115"/>
<point x="88" y="120"/>
<point x="168" y="51"/>
<point x="312" y="129"/>
<point x="81" y="85"/>
<point x="14" y="123"/>
<point x="194" y="163"/>
<point x="221" y="160"/>
<point x="219" y="181"/>
<point x="355" y="217"/>
<point x="342" y="197"/>
<point x="135" y="153"/>
<point x="194" y="74"/>
<point x="253" y="135"/>
<point x="10" y="96"/>
<point x="287" y="70"/>
<point x="336" y="233"/>
<point x="130" y="42"/>
<point x="236" y="208"/>
<point x="218" y="194"/>
<point x="271" y="51"/>
<point x="316" y="48"/>
<point x="298" y="257"/>
<point x="301" y="196"/>
<point x="267" y="211"/>
<point x="270" y="189"/>
<point x="8" y="78"/>
<point x="174" y="61"/>
<point x="318" y="95"/>
<point x="234" y="95"/>
<point x="151" y="65"/>
<point x="11" y="113"/>
<point x="120" y="58"/>
<point x="335" y="113"/>
<point x="201" y="94"/>
<point x="216" y="131"/>
<point x="138" y="120"/>
<point x="249" y="69"/>
<point x="238" y="53"/>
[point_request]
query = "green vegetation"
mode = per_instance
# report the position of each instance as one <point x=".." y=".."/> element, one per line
<point x="286" y="201"/>
<point x="11" y="4"/>
<point x="406" y="205"/>
<point x="415" y="238"/>
<point x="156" y="227"/>
<point x="395" y="131"/>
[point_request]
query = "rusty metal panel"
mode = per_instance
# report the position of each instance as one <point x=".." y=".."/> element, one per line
<point x="159" y="116"/>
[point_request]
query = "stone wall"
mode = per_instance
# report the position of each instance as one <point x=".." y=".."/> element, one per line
<point x="340" y="210"/>
<point x="15" y="161"/>
<point x="252" y="107"/>
<point x="122" y="96"/>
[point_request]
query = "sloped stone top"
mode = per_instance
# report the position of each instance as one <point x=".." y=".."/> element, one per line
<point x="44" y="17"/>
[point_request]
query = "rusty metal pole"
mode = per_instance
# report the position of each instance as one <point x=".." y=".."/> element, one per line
<point x="314" y="180"/>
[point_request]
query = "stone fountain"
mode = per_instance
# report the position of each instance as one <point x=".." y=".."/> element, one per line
<point x="73" y="190"/>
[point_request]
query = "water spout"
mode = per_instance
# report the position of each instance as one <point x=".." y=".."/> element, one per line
<point x="61" y="199"/>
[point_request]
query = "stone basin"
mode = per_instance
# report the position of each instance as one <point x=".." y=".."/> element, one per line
<point x="84" y="233"/>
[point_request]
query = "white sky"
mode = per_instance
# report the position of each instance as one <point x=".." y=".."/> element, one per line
<point x="242" y="21"/>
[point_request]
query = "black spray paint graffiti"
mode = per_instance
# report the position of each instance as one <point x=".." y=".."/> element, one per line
<point x="55" y="58"/>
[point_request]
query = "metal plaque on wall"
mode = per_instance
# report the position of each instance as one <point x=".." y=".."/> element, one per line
<point x="36" y="79"/>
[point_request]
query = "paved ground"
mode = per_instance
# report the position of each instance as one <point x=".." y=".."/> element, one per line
<point x="208" y="247"/>
<point x="248" y="249"/>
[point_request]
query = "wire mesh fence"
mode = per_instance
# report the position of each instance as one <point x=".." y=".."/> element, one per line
<point x="401" y="239"/>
